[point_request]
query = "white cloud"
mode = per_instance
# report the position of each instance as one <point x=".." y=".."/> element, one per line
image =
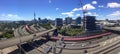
<point x="116" y="13"/>
<point x="94" y="2"/>
<point x="114" y="16"/>
<point x="101" y="6"/>
<point x="89" y="13"/>
<point x="48" y="17"/>
<point x="113" y="5"/>
<point x="57" y="8"/>
<point x="70" y="14"/>
<point x="92" y="14"/>
<point x="49" y="1"/>
<point x="77" y="9"/>
<point x="88" y="6"/>
<point x="95" y="14"/>
<point x="11" y="17"/>
<point x="77" y="15"/>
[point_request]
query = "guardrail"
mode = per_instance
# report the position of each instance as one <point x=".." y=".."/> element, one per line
<point x="29" y="29"/>
<point x="81" y="38"/>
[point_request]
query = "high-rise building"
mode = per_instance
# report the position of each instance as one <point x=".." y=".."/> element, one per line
<point x="44" y="21"/>
<point x="35" y="20"/>
<point x="68" y="20"/>
<point x="107" y="20"/>
<point x="90" y="23"/>
<point x="39" y="20"/>
<point x="78" y="20"/>
<point x="58" y="22"/>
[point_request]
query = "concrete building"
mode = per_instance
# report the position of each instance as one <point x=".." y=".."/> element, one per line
<point x="39" y="20"/>
<point x="90" y="23"/>
<point x="58" y="22"/>
<point x="107" y="20"/>
<point x="68" y="20"/>
<point x="99" y="27"/>
<point x="44" y="21"/>
<point x="78" y="21"/>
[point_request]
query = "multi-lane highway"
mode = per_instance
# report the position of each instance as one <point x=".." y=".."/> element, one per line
<point x="101" y="47"/>
<point x="81" y="44"/>
<point x="28" y="44"/>
<point x="37" y="46"/>
<point x="22" y="38"/>
<point x="24" y="30"/>
<point x="34" y="47"/>
<point x="114" y="51"/>
<point x="113" y="28"/>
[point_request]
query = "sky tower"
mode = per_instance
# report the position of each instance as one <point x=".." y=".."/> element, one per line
<point x="35" y="18"/>
<point x="34" y="15"/>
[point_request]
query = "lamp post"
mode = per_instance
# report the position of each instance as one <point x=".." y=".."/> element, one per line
<point x="54" y="48"/>
<point x="19" y="45"/>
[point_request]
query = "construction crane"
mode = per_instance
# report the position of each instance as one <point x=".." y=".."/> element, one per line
<point x="84" y="11"/>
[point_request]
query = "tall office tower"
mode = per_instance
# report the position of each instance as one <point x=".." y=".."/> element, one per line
<point x="78" y="20"/>
<point x="39" y="20"/>
<point x="68" y="20"/>
<point x="58" y="22"/>
<point x="90" y="23"/>
<point x="35" y="21"/>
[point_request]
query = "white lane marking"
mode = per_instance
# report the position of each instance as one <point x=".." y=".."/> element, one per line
<point x="73" y="43"/>
<point x="110" y="41"/>
<point x="114" y="39"/>
<point x="104" y="43"/>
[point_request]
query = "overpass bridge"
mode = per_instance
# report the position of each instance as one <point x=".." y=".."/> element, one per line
<point x="113" y="29"/>
<point x="27" y="38"/>
<point x="20" y="39"/>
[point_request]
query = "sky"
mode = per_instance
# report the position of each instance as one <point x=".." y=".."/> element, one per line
<point x="52" y="9"/>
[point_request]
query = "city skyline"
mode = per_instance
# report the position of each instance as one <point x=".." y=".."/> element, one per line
<point x="51" y="9"/>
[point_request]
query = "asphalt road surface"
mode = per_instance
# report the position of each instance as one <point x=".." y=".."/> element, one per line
<point x="115" y="51"/>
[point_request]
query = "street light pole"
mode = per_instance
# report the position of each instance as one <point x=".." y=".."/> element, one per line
<point x="20" y="46"/>
<point x="54" y="48"/>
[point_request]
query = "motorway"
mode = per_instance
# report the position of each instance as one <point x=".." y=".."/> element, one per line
<point x="21" y="38"/>
<point x="33" y="28"/>
<point x="24" y="30"/>
<point x="103" y="45"/>
<point x="37" y="46"/>
<point x="115" y="51"/>
<point x="103" y="42"/>
<point x="113" y="28"/>
<point x="91" y="41"/>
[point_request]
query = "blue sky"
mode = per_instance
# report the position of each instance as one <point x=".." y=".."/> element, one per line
<point x="51" y="9"/>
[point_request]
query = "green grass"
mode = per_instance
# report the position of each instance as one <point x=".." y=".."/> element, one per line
<point x="8" y="34"/>
<point x="70" y="32"/>
<point x="46" y="26"/>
